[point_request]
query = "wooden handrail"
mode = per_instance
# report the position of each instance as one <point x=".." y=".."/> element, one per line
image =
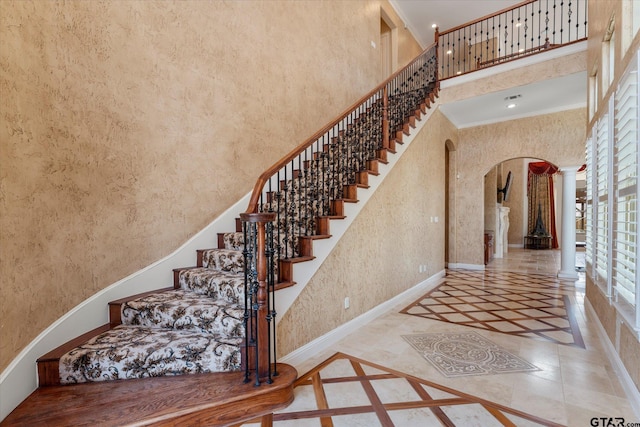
<point x="266" y="175"/>
<point x="491" y="15"/>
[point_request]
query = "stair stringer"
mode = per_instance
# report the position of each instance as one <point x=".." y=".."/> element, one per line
<point x="304" y="271"/>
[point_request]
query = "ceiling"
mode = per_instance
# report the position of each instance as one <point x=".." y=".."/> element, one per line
<point x="420" y="15"/>
<point x="547" y="96"/>
<point x="552" y="95"/>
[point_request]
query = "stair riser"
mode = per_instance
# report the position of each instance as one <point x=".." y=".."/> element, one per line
<point x="213" y="283"/>
<point x="222" y="259"/>
<point x="136" y="352"/>
<point x="224" y="321"/>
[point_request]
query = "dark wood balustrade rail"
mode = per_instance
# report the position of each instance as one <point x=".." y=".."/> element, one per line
<point x="309" y="185"/>
<point x="273" y="170"/>
<point x="528" y="28"/>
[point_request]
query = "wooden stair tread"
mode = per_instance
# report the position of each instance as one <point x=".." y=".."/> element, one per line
<point x="140" y="295"/>
<point x="198" y="399"/>
<point x="317" y="236"/>
<point x="283" y="285"/>
<point x="298" y="259"/>
<point x="350" y="200"/>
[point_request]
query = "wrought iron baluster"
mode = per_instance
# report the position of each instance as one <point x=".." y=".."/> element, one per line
<point x="271" y="303"/>
<point x="518" y="25"/>
<point x="561" y="15"/>
<point x="247" y="332"/>
<point x="554" y="21"/>
<point x="280" y="219"/>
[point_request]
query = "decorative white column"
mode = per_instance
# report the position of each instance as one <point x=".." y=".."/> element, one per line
<point x="568" y="238"/>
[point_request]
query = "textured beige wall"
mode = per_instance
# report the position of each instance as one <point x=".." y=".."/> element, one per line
<point x="392" y="236"/>
<point x="629" y="347"/>
<point x="127" y="126"/>
<point x="558" y="138"/>
<point x="630" y="353"/>
<point x="626" y="43"/>
<point x="409" y="48"/>
<point x="517" y="199"/>
<point x="490" y="200"/>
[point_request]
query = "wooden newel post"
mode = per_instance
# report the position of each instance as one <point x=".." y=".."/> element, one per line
<point x="259" y="290"/>
<point x="385" y="118"/>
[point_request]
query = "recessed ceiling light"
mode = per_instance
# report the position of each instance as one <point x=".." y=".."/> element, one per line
<point x="449" y="52"/>
<point x="459" y="72"/>
<point x="434" y="26"/>
<point x="519" y="24"/>
<point x="521" y="50"/>
<point x="511" y="106"/>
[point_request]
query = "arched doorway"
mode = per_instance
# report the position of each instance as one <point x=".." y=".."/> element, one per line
<point x="514" y="202"/>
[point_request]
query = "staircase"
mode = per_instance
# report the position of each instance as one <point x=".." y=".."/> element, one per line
<point x="218" y="319"/>
<point x="195" y="327"/>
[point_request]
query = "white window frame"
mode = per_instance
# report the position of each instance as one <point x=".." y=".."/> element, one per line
<point x="627" y="303"/>
<point x="613" y="154"/>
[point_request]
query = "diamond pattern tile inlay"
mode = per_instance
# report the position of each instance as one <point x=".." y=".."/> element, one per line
<point x="528" y="305"/>
<point x="347" y="391"/>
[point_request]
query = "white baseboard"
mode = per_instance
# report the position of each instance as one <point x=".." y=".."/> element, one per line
<point x="312" y="348"/>
<point x="516" y="245"/>
<point x="632" y="392"/>
<point x="459" y="266"/>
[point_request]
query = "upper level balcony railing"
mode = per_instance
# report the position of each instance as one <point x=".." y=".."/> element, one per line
<point x="528" y="28"/>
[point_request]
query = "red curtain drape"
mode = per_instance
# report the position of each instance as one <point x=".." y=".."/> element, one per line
<point x="542" y="170"/>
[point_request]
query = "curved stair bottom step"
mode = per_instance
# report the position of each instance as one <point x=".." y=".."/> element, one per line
<point x="127" y="352"/>
<point x="220" y="399"/>
<point x="181" y="309"/>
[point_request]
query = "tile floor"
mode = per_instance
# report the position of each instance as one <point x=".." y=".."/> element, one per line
<point x="572" y="386"/>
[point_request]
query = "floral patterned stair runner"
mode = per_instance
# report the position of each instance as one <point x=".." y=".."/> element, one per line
<point x="234" y="241"/>
<point x="128" y="352"/>
<point x="216" y="284"/>
<point x="197" y="328"/>
<point x="181" y="309"/>
<point x="230" y="260"/>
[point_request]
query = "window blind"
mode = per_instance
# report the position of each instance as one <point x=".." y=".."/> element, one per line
<point x="601" y="210"/>
<point x="589" y="217"/>
<point x="625" y="163"/>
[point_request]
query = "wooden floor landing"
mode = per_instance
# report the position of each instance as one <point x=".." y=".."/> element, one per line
<point x="187" y="400"/>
